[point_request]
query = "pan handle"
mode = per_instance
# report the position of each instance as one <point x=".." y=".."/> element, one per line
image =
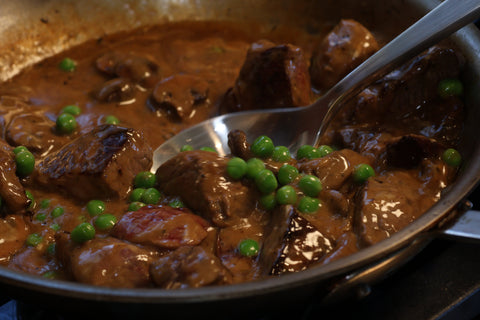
<point x="465" y="228"/>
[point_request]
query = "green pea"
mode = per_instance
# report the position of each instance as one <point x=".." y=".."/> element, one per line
<point x="67" y="65"/>
<point x="25" y="162"/>
<point x="286" y="195"/>
<point x="262" y="147"/>
<point x="308" y="152"/>
<point x="19" y="149"/>
<point x="236" y="168"/>
<point x="308" y="205"/>
<point x="324" y="150"/>
<point x="51" y="248"/>
<point x="72" y="109"/>
<point x="266" y="181"/>
<point x="57" y="212"/>
<point x="95" y="207"/>
<point x="248" y="247"/>
<point x="254" y="166"/>
<point x="66" y="123"/>
<point x="105" y="221"/>
<point x="176" y="203"/>
<point x="310" y="185"/>
<point x="452" y="157"/>
<point x="45" y="203"/>
<point x="41" y="216"/>
<point x="450" y="88"/>
<point x="268" y="201"/>
<point x="111" y="120"/>
<point x="83" y="232"/>
<point x="34" y="239"/>
<point x="145" y="179"/>
<point x="136" y="194"/>
<point x="209" y="149"/>
<point x="362" y="172"/>
<point x="134" y="206"/>
<point x="281" y="154"/>
<point x="49" y="274"/>
<point x="31" y="198"/>
<point x="286" y="174"/>
<point x="186" y="147"/>
<point x="55" y="227"/>
<point x="151" y="196"/>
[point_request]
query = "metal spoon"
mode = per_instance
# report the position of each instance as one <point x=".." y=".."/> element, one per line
<point x="293" y="127"/>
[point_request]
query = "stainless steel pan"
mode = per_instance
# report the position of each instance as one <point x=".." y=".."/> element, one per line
<point x="31" y="30"/>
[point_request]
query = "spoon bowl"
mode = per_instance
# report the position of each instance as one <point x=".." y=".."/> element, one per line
<point x="293" y="127"/>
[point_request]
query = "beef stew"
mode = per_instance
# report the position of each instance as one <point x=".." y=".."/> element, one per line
<point x="157" y="81"/>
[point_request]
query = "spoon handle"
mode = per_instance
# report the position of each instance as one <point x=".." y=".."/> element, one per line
<point x="436" y="25"/>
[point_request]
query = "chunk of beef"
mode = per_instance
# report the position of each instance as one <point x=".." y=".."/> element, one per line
<point x="161" y="226"/>
<point x="335" y="168"/>
<point x="105" y="262"/>
<point x="189" y="267"/>
<point x="31" y="260"/>
<point x="14" y="232"/>
<point x="115" y="90"/>
<point x="292" y="243"/>
<point x="12" y="191"/>
<point x="273" y="76"/>
<point x="363" y="140"/>
<point x="341" y="51"/>
<point x="178" y="95"/>
<point x="242" y="267"/>
<point x="336" y="201"/>
<point x="388" y="203"/>
<point x="385" y="150"/>
<point x="101" y="163"/>
<point x="135" y="68"/>
<point x="406" y="100"/>
<point x="409" y="151"/>
<point x="201" y="180"/>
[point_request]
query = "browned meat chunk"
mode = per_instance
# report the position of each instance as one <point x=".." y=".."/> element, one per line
<point x="14" y="231"/>
<point x="201" y="180"/>
<point x="292" y="243"/>
<point x="407" y="101"/>
<point x="129" y="66"/>
<point x="11" y="190"/>
<point x="389" y="203"/>
<point x="409" y="151"/>
<point x="189" y="267"/>
<point x="178" y="95"/>
<point x="385" y="150"/>
<point x="228" y="239"/>
<point x="335" y="168"/>
<point x="341" y="51"/>
<point x="273" y="76"/>
<point x="32" y="260"/>
<point x="105" y="262"/>
<point x="162" y="226"/>
<point x="101" y="163"/>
